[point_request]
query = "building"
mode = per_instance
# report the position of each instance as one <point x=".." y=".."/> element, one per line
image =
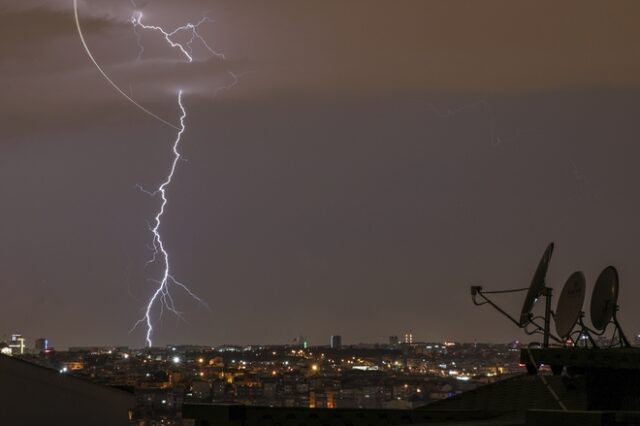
<point x="42" y="344"/>
<point x="42" y="396"/>
<point x="336" y="342"/>
<point x="301" y="341"/>
<point x="408" y="338"/>
<point x="17" y="344"/>
<point x="394" y="341"/>
<point x="601" y="390"/>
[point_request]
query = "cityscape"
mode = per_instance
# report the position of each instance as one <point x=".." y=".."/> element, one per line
<point x="319" y="213"/>
<point x="398" y="374"/>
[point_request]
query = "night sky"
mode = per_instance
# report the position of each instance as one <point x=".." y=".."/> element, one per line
<point x="375" y="159"/>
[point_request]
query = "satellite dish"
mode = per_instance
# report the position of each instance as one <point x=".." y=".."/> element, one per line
<point x="537" y="286"/>
<point x="604" y="298"/>
<point x="570" y="304"/>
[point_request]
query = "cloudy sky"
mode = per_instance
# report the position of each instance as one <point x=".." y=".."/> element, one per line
<point x="372" y="160"/>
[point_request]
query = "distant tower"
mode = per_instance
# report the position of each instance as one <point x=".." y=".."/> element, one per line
<point x="336" y="342"/>
<point x="17" y="344"/>
<point x="301" y="341"/>
<point x="408" y="338"/>
<point x="42" y="344"/>
<point x="394" y="340"/>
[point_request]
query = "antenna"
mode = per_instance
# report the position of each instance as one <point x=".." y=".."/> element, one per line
<point x="604" y="305"/>
<point x="536" y="289"/>
<point x="569" y="308"/>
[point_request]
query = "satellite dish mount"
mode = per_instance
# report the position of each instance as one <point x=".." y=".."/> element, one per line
<point x="528" y="322"/>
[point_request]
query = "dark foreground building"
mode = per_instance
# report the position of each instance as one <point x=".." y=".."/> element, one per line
<point x="518" y="401"/>
<point x="31" y="395"/>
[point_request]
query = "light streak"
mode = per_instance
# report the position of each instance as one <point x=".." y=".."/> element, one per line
<point x="104" y="74"/>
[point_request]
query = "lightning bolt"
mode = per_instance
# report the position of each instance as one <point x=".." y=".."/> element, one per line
<point x="186" y="48"/>
<point x="161" y="298"/>
<point x="162" y="294"/>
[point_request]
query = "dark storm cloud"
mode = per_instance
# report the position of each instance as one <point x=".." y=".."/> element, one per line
<point x="41" y="36"/>
<point x="329" y="48"/>
<point x="376" y="158"/>
<point x="37" y="26"/>
<point x="335" y="48"/>
<point x="373" y="47"/>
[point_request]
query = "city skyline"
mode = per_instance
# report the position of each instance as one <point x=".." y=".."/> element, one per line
<point x="36" y="343"/>
<point x="373" y="162"/>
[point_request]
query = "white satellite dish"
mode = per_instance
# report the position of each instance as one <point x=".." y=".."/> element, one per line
<point x="537" y="286"/>
<point x="536" y="289"/>
<point x="604" y="306"/>
<point x="570" y="303"/>
<point x="604" y="299"/>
